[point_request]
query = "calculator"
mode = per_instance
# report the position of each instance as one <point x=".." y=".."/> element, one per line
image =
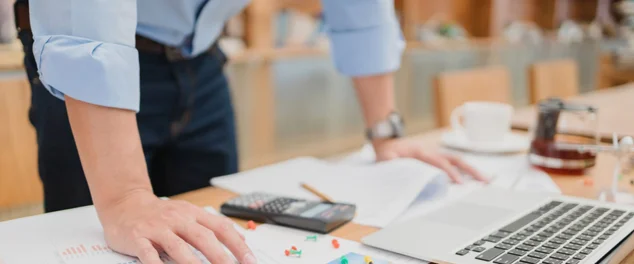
<point x="316" y="216"/>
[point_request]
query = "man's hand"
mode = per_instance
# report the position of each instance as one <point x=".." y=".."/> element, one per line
<point x="142" y="225"/>
<point x="406" y="148"/>
<point x="135" y="221"/>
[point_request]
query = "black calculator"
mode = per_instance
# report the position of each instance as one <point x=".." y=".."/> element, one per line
<point x="316" y="216"/>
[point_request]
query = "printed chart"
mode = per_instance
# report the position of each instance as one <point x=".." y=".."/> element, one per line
<point x="102" y="254"/>
<point x="97" y="253"/>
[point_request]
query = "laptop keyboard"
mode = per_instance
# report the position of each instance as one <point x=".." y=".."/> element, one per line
<point x="556" y="233"/>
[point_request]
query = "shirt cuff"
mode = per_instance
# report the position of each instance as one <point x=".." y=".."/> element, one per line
<point x="95" y="72"/>
<point x="368" y="51"/>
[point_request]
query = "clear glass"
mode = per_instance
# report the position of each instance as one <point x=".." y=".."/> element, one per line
<point x="621" y="190"/>
<point x="559" y="129"/>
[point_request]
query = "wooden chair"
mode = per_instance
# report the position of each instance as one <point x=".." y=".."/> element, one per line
<point x="557" y="78"/>
<point x="453" y="89"/>
<point x="19" y="182"/>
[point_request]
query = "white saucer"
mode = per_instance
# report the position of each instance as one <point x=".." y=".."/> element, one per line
<point x="511" y="143"/>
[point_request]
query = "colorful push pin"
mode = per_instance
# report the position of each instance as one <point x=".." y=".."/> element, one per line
<point x="344" y="260"/>
<point x="368" y="260"/>
<point x="588" y="182"/>
<point x="311" y="238"/>
<point x="297" y="253"/>
<point x="294" y="248"/>
<point x="287" y="252"/>
<point x="335" y="243"/>
<point x="251" y="225"/>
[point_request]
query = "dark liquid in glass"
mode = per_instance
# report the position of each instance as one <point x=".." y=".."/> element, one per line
<point x="576" y="161"/>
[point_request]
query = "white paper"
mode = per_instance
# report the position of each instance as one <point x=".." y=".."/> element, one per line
<point x="276" y="239"/>
<point x="381" y="191"/>
<point x="508" y="172"/>
<point x="426" y="204"/>
<point x="43" y="239"/>
<point x="68" y="237"/>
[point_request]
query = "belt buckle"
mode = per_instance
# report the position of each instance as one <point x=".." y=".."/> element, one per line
<point x="174" y="54"/>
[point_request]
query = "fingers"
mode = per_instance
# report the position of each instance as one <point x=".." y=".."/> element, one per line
<point x="461" y="164"/>
<point x="241" y="237"/>
<point x="176" y="248"/>
<point x="227" y="234"/>
<point x="146" y="252"/>
<point x="441" y="163"/>
<point x="206" y="242"/>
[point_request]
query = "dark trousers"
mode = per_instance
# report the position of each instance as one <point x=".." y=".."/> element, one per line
<point x="186" y="124"/>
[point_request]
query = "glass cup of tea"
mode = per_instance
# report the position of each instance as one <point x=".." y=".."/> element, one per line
<point x="559" y="127"/>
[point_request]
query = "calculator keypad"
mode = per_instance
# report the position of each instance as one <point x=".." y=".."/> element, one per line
<point x="277" y="206"/>
<point x="253" y="201"/>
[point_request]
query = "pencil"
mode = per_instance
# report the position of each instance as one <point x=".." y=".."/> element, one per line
<point x="318" y="193"/>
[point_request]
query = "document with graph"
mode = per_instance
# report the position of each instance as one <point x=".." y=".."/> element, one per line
<point x="68" y="237"/>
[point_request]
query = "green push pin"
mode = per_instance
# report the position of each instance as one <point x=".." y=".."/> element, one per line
<point x="344" y="260"/>
<point x="296" y="252"/>
<point x="311" y="238"/>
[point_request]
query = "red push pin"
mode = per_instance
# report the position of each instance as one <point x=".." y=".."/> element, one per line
<point x="293" y="248"/>
<point x="251" y="225"/>
<point x="287" y="252"/>
<point x="335" y="243"/>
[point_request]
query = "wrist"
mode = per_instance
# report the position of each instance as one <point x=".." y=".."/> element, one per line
<point x="133" y="198"/>
<point x="389" y="127"/>
<point x="378" y="144"/>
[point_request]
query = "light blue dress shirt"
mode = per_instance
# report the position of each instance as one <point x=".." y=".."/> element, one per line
<point x="86" y="48"/>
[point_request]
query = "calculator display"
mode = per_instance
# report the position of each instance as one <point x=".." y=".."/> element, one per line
<point x="316" y="210"/>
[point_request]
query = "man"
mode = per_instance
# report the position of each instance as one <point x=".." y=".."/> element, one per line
<point x="160" y="106"/>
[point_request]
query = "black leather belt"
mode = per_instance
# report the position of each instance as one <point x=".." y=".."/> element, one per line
<point x="143" y="44"/>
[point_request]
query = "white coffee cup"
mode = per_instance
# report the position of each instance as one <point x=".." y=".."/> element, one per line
<point x="483" y="121"/>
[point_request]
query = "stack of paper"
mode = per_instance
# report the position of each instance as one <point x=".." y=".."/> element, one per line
<point x="505" y="171"/>
<point x="380" y="191"/>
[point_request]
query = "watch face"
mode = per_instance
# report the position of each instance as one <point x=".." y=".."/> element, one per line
<point x="391" y="127"/>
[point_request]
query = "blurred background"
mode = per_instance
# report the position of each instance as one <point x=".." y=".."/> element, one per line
<point x="291" y="101"/>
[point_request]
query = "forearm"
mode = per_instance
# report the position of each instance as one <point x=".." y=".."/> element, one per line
<point x="110" y="150"/>
<point x="376" y="97"/>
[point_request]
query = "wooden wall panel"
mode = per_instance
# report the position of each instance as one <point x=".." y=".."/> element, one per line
<point x="19" y="182"/>
<point x="583" y="10"/>
<point x="472" y="15"/>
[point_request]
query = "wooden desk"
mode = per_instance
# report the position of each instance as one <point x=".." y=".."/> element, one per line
<point x="615" y="107"/>
<point x="570" y="185"/>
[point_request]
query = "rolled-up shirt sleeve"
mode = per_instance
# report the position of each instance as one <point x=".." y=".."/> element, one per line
<point x="365" y="35"/>
<point x="84" y="49"/>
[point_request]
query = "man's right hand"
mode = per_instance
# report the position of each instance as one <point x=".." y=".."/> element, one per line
<point x="142" y="225"/>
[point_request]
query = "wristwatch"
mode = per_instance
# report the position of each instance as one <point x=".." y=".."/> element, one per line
<point x="391" y="127"/>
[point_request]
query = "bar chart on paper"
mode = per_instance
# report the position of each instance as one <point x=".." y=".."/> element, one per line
<point x="95" y="253"/>
<point x="102" y="254"/>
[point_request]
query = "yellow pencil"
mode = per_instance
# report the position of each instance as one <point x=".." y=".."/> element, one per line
<point x="318" y="193"/>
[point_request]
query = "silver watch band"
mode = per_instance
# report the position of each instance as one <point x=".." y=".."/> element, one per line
<point x="391" y="127"/>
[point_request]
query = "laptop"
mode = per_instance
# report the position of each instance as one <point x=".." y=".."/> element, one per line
<point x="507" y="227"/>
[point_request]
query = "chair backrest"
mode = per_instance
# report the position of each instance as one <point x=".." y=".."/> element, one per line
<point x="452" y="89"/>
<point x="557" y="78"/>
<point x="19" y="182"/>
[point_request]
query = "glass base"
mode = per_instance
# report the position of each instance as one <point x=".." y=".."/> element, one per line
<point x="618" y="196"/>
